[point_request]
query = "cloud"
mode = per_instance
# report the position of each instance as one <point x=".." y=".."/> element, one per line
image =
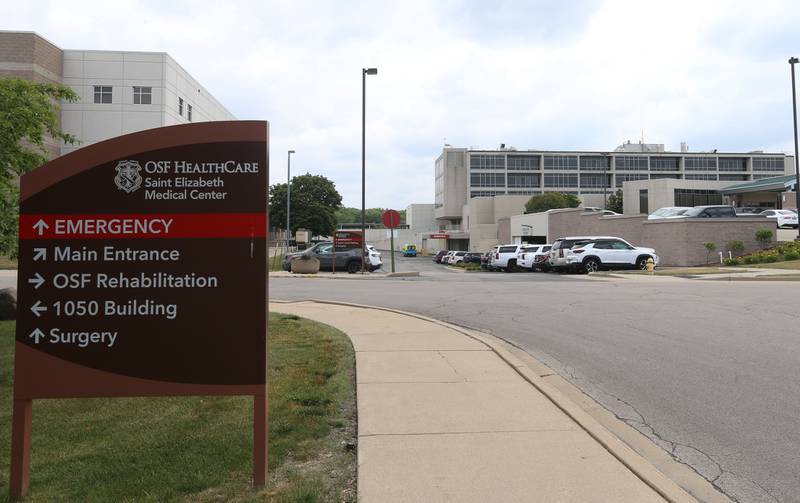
<point x="548" y="75"/>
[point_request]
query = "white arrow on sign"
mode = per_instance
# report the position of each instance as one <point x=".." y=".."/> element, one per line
<point x="40" y="226"/>
<point x="39" y="253"/>
<point x="37" y="281"/>
<point x="38" y="308"/>
<point x="36" y="335"/>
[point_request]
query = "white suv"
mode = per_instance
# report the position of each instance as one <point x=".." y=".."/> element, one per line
<point x="505" y="257"/>
<point x="533" y="257"/>
<point x="457" y="257"/>
<point x="608" y="253"/>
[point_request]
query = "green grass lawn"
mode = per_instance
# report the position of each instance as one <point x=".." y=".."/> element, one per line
<point x="200" y="448"/>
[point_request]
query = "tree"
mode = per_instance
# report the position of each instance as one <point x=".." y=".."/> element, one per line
<point x="614" y="202"/>
<point x="710" y="247"/>
<point x="29" y="113"/>
<point x="314" y="201"/>
<point x="551" y="200"/>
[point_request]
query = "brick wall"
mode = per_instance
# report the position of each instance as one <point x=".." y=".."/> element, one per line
<point x="28" y="56"/>
<point x="678" y="242"/>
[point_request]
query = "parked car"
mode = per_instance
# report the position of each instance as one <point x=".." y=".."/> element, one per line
<point x="349" y="260"/>
<point x="486" y="259"/>
<point x="668" y="212"/>
<point x="447" y="258"/>
<point x="750" y="210"/>
<point x="505" y="258"/>
<point x="439" y="255"/>
<point x="472" y="258"/>
<point x="609" y="213"/>
<point x="785" y="218"/>
<point x="534" y="258"/>
<point x="374" y="257"/>
<point x="457" y="257"/>
<point x="560" y="251"/>
<point x="409" y="250"/>
<point x="710" y="212"/>
<point x="609" y="253"/>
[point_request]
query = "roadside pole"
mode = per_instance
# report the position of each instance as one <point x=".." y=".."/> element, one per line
<point x="392" y="246"/>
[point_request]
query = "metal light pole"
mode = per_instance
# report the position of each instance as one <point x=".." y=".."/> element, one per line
<point x="792" y="61"/>
<point x="364" y="73"/>
<point x="605" y="181"/>
<point x="288" y="195"/>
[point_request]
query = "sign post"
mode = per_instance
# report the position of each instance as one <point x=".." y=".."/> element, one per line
<point x="391" y="220"/>
<point x="143" y="272"/>
<point x="344" y="241"/>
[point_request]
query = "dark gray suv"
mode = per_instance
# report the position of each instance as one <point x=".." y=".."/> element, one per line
<point x="346" y="260"/>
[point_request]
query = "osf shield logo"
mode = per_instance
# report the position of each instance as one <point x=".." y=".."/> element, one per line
<point x="128" y="176"/>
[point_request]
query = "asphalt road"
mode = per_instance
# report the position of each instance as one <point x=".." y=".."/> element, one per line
<point x="708" y="370"/>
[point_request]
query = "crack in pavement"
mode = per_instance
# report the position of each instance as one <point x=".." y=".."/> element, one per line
<point x="691" y="456"/>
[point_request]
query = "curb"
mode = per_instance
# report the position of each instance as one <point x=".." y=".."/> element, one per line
<point x="639" y="466"/>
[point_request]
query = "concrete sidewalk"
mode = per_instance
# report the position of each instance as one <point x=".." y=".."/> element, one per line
<point x="449" y="415"/>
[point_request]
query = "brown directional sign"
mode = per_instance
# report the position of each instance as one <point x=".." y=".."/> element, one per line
<point x="142" y="271"/>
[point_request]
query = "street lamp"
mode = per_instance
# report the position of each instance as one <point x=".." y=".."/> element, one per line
<point x="792" y="61"/>
<point x="364" y="73"/>
<point x="288" y="194"/>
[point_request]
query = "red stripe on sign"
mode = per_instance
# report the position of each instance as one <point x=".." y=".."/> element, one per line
<point x="143" y="226"/>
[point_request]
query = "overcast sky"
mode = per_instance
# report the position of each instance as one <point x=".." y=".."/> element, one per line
<point x="530" y="74"/>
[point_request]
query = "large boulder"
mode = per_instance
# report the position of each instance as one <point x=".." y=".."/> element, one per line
<point x="306" y="264"/>
<point x="8" y="304"/>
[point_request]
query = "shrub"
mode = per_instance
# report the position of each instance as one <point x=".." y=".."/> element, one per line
<point x="735" y="246"/>
<point x="791" y="255"/>
<point x="764" y="236"/>
<point x="732" y="261"/>
<point x="770" y="258"/>
<point x="752" y="259"/>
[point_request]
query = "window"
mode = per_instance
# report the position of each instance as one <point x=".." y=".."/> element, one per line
<point x="629" y="178"/>
<point x="485" y="161"/>
<point x="595" y="163"/>
<point x="701" y="176"/>
<point x="643" y="202"/>
<point x="732" y="164"/>
<point x="487" y="179"/>
<point x="142" y="95"/>
<point x="102" y="94"/>
<point x="595" y="180"/>
<point x="691" y="197"/>
<point x="656" y="176"/>
<point x="700" y="163"/>
<point x="560" y="179"/>
<point x="523" y="180"/>
<point x="763" y="163"/>
<point x="486" y="193"/>
<point x="732" y="178"/>
<point x="664" y="164"/>
<point x="523" y="162"/>
<point x="180" y="107"/>
<point x="189" y="112"/>
<point x="560" y="162"/>
<point x="631" y="162"/>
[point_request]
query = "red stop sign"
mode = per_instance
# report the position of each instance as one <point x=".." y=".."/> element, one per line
<point x="391" y="219"/>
